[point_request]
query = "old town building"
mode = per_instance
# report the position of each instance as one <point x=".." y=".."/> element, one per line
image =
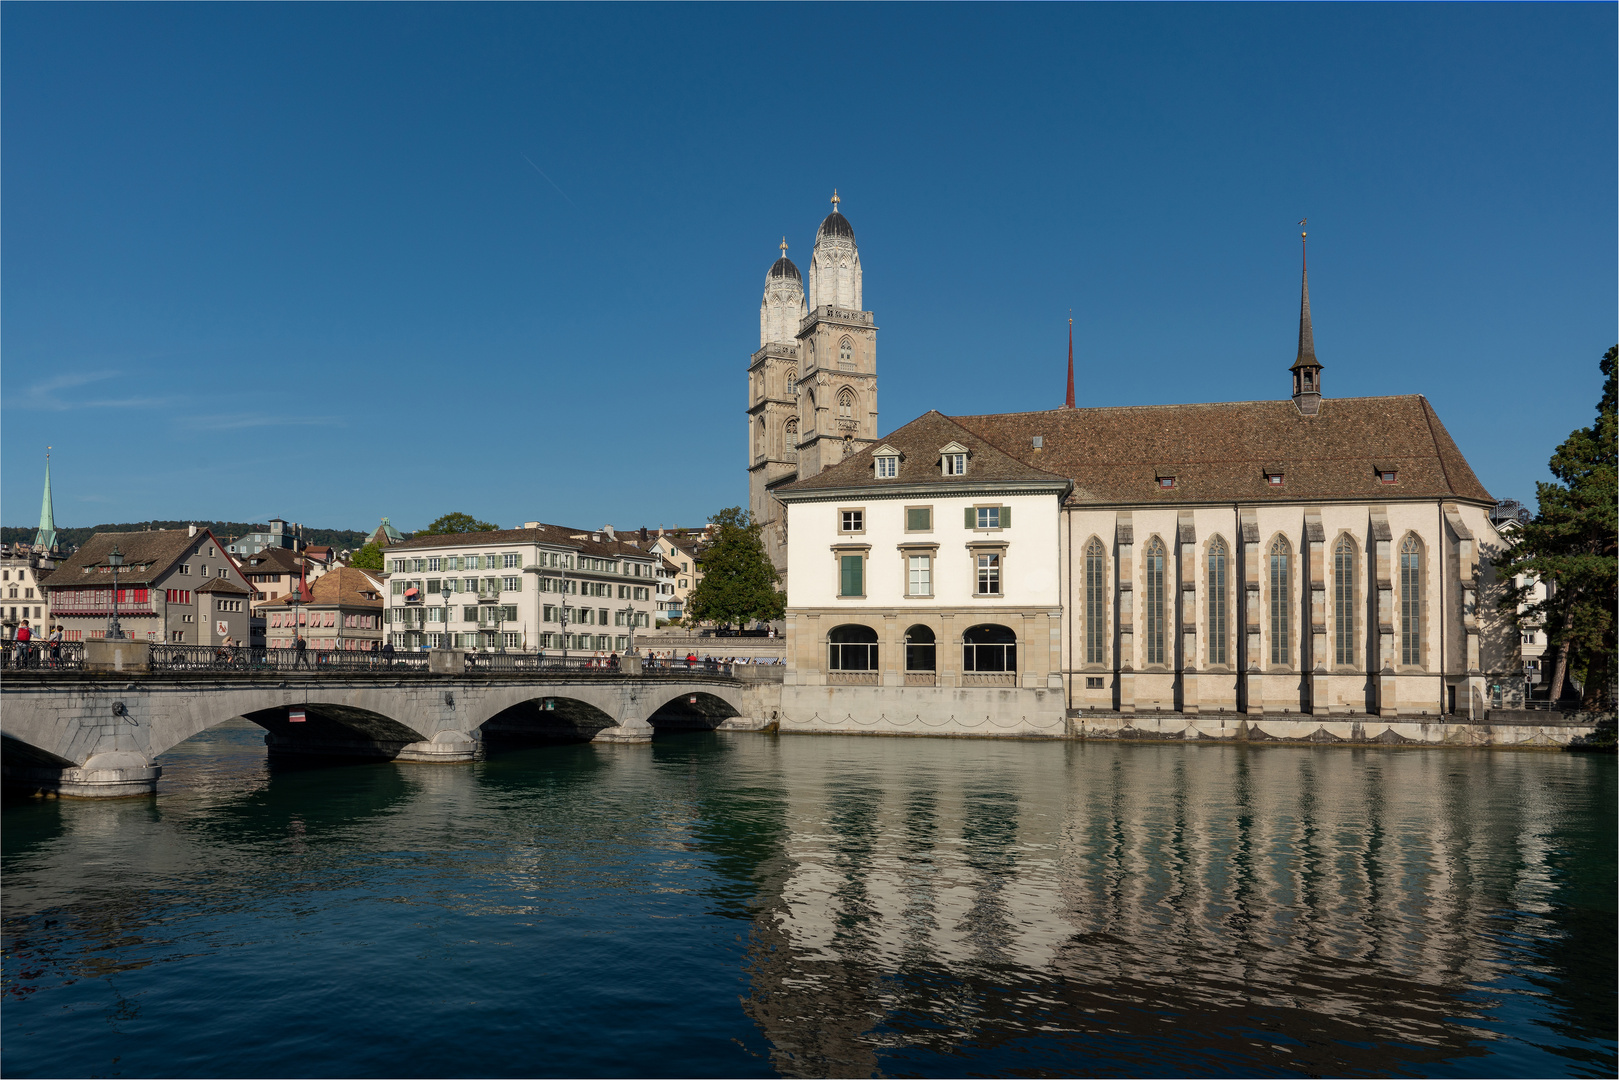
<point x="342" y="610"/>
<point x="1301" y="555"/>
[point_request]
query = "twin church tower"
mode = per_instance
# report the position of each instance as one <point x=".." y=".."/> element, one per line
<point x="812" y="386"/>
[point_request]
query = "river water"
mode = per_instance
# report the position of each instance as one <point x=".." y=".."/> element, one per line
<point x="743" y="904"/>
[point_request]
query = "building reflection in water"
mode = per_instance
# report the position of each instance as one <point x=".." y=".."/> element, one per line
<point x="1156" y="909"/>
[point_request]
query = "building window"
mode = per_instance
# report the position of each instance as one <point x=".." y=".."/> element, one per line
<point x="1343" y="601"/>
<point x="852" y="648"/>
<point x="919" y="519"/>
<point x="852" y="521"/>
<point x="846" y="354"/>
<point x="887" y="467"/>
<point x="1219" y="570"/>
<point x="989" y="517"/>
<point x="1093" y="682"/>
<point x="1388" y="476"/>
<point x="1095" y="603"/>
<point x="989" y="647"/>
<point x="792" y="425"/>
<point x="919" y="575"/>
<point x="1274" y="479"/>
<point x="846" y="405"/>
<point x="920" y="649"/>
<point x="1166" y="481"/>
<point x="511" y="584"/>
<point x="792" y="381"/>
<point x="1279" y="600"/>
<point x="989" y="575"/>
<point x="1411" y="601"/>
<point x="852" y="575"/>
<point x="1155" y="601"/>
<point x="955" y="464"/>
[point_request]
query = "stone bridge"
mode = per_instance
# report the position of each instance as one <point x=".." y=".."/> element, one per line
<point x="99" y="734"/>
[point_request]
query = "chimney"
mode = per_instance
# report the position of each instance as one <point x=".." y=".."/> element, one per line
<point x="531" y="524"/>
<point x="608" y="529"/>
<point x="191" y="530"/>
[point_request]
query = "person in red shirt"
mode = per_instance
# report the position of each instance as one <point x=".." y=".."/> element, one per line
<point x="24" y="636"/>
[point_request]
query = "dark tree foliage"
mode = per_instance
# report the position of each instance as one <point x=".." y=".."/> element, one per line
<point x="739" y="584"/>
<point x="1573" y="544"/>
<point x="457" y="523"/>
<point x="225" y="530"/>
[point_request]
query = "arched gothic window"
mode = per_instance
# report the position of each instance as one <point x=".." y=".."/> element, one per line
<point x="1219" y="570"/>
<point x="1155" y="601"/>
<point x="846" y="405"/>
<point x="1411" y="601"/>
<point x="1343" y="601"/>
<point x="1095" y="603"/>
<point x="792" y="425"/>
<point x="1280" y="600"/>
<point x="792" y="381"/>
<point x="846" y="354"/>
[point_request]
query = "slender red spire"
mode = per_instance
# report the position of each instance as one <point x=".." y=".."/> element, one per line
<point x="1070" y="402"/>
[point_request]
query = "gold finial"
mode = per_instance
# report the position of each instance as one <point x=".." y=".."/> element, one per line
<point x="784" y="247"/>
<point x="1303" y="221"/>
<point x="835" y="200"/>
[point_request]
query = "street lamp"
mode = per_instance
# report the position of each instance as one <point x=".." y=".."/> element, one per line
<point x="115" y="559"/>
<point x="629" y="617"/>
<point x="446" y="591"/>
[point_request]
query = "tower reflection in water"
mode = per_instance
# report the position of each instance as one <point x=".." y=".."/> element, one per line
<point x="1156" y="910"/>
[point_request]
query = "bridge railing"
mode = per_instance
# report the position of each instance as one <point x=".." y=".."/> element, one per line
<point x="42" y="655"/>
<point x="167" y="657"/>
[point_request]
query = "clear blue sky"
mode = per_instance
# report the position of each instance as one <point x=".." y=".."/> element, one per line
<point x="331" y="262"/>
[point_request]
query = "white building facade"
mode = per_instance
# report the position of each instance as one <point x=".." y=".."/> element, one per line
<point x="541" y="587"/>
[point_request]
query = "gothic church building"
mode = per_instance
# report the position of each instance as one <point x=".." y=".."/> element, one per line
<point x="1323" y="564"/>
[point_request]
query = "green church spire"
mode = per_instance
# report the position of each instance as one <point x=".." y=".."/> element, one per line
<point x="46" y="537"/>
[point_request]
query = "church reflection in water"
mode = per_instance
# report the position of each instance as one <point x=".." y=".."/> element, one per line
<point x="1155" y="909"/>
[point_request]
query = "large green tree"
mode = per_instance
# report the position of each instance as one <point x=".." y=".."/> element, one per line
<point x="739" y="584"/>
<point x="1573" y="545"/>
<point x="368" y="557"/>
<point x="457" y="523"/>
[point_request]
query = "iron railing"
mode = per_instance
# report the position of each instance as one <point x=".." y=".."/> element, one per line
<point x="167" y="657"/>
<point x="42" y="655"/>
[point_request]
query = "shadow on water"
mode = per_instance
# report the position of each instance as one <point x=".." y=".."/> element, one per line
<point x="723" y="904"/>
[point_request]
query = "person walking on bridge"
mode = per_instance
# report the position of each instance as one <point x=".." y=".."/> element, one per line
<point x="299" y="645"/>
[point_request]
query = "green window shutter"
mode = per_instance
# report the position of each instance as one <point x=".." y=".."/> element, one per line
<point x="972" y="517"/>
<point x="917" y="519"/>
<point x="851" y="584"/>
<point x="1006" y="517"/>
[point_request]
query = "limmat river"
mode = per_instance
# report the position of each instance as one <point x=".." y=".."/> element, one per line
<point x="744" y="905"/>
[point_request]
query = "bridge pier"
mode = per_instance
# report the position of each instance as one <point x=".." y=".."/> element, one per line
<point x="626" y="731"/>
<point x="446" y="747"/>
<point x="109" y="775"/>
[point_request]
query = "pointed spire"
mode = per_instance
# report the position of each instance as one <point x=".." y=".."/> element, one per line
<point x="45" y="538"/>
<point x="1070" y="402"/>
<point x="784" y="247"/>
<point x="1306" y="331"/>
<point x="835" y="200"/>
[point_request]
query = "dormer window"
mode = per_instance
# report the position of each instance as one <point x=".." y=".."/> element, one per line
<point x="1388" y="476"/>
<point x="953" y="460"/>
<point x="1274" y="479"/>
<point x="1166" y="482"/>
<point x="887" y="462"/>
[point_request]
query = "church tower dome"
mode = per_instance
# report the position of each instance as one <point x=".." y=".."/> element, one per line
<point x="782" y="308"/>
<point x="834" y="273"/>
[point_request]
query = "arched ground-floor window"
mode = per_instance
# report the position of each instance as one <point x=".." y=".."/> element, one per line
<point x="920" y="649"/>
<point x="989" y="647"/>
<point x="852" y="647"/>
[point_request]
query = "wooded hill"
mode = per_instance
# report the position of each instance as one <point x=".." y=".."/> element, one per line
<point x="224" y="530"/>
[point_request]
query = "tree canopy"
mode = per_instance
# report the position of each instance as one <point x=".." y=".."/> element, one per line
<point x="367" y="558"/>
<point x="1573" y="545"/>
<point x="739" y="584"/>
<point x="458" y="523"/>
